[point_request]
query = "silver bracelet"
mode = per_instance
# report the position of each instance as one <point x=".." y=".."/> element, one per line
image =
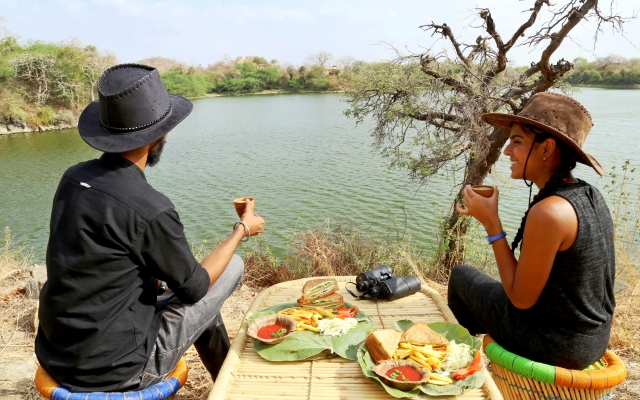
<point x="246" y="228"/>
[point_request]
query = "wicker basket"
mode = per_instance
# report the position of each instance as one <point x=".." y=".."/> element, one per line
<point x="519" y="378"/>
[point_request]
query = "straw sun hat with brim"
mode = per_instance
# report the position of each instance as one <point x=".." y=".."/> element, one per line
<point x="559" y="115"/>
<point x="133" y="109"/>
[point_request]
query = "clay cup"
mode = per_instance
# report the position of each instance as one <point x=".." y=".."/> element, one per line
<point x="239" y="204"/>
<point x="483" y="190"/>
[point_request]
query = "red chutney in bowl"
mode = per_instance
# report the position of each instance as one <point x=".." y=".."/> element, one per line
<point x="407" y="372"/>
<point x="272" y="331"/>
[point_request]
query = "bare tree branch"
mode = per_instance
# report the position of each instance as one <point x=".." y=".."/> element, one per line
<point x="435" y="115"/>
<point x="572" y="18"/>
<point x="445" y="31"/>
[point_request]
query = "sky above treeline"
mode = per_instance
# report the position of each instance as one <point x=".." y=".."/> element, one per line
<point x="203" y="32"/>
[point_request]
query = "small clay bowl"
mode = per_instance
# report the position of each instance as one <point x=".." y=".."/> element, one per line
<point x="384" y="366"/>
<point x="261" y="322"/>
<point x="483" y="190"/>
<point x="240" y="204"/>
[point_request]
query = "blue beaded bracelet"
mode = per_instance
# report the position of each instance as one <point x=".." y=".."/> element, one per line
<point x="492" y="239"/>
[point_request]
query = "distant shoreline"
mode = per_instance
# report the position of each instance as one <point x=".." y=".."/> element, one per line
<point x="9" y="127"/>
<point x="265" y="92"/>
<point x="620" y="87"/>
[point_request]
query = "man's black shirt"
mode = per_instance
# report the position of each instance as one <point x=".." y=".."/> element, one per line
<point x="111" y="237"/>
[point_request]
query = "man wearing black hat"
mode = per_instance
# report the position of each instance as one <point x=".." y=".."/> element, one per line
<point x="115" y="243"/>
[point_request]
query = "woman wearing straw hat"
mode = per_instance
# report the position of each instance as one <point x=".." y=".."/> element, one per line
<point x="555" y="302"/>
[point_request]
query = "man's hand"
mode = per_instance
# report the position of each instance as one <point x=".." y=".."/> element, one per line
<point x="253" y="221"/>
<point x="216" y="262"/>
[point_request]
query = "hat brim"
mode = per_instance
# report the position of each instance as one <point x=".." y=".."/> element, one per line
<point x="107" y="141"/>
<point x="504" y="121"/>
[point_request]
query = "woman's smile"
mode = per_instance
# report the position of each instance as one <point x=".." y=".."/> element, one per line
<point x="517" y="150"/>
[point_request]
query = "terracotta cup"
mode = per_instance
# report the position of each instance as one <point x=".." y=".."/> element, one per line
<point x="239" y="204"/>
<point x="483" y="190"/>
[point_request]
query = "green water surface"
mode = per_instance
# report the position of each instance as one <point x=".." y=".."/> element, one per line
<point x="298" y="156"/>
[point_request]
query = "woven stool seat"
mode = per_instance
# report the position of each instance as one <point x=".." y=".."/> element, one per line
<point x="521" y="378"/>
<point x="50" y="389"/>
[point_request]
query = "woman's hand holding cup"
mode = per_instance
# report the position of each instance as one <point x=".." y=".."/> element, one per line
<point x="481" y="202"/>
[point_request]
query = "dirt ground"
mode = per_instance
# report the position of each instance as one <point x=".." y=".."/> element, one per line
<point x="233" y="310"/>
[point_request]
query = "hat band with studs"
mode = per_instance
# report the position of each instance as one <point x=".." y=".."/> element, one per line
<point x="135" y="128"/>
<point x="543" y="121"/>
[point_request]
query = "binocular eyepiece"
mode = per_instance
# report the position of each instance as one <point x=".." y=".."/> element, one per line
<point x="380" y="283"/>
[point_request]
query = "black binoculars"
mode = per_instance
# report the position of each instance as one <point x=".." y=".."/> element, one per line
<point x="379" y="283"/>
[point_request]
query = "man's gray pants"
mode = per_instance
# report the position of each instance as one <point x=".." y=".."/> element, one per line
<point x="199" y="324"/>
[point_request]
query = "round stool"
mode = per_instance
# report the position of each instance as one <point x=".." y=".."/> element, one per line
<point x="520" y="378"/>
<point x="50" y="389"/>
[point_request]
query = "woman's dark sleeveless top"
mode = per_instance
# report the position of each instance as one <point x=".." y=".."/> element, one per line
<point x="575" y="310"/>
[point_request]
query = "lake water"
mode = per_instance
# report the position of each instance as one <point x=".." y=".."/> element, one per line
<point x="302" y="160"/>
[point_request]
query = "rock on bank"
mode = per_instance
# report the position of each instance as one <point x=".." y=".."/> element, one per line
<point x="21" y="126"/>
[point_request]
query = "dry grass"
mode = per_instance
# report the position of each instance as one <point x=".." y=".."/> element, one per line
<point x="16" y="313"/>
<point x="333" y="249"/>
<point x="625" y="334"/>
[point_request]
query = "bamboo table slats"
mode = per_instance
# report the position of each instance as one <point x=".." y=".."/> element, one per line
<point x="246" y="375"/>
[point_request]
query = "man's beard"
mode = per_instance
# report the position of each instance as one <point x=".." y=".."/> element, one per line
<point x="154" y="154"/>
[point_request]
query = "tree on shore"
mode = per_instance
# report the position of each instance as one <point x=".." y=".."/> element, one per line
<point x="427" y="106"/>
<point x="321" y="58"/>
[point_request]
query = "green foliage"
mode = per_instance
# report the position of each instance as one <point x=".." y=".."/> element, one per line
<point x="254" y="74"/>
<point x="187" y="85"/>
<point x="46" y="76"/>
<point x="46" y="116"/>
<point x="6" y="72"/>
<point x="318" y="84"/>
<point x="611" y="70"/>
<point x="270" y="76"/>
<point x="296" y="84"/>
<point x="39" y="77"/>
<point x="13" y="109"/>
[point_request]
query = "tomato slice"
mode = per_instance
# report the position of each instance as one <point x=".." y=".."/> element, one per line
<point x="476" y="363"/>
<point x="347" y="312"/>
<point x="474" y="366"/>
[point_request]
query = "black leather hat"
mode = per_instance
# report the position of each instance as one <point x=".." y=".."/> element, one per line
<point x="133" y="109"/>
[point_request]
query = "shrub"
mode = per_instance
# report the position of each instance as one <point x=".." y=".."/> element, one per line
<point x="46" y="116"/>
<point x="318" y="83"/>
<point x="295" y="84"/>
<point x="13" y="109"/>
<point x="334" y="249"/>
<point x="187" y="85"/>
<point x="233" y="85"/>
<point x="270" y="76"/>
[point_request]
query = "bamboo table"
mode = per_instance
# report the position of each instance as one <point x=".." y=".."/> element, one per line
<point x="246" y="375"/>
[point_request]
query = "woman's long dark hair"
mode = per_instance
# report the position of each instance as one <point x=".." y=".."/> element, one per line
<point x="568" y="159"/>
